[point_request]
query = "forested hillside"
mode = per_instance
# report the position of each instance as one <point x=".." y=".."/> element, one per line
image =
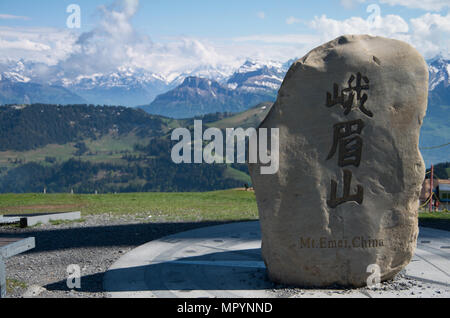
<point x="29" y="127"/>
<point x="104" y="149"/>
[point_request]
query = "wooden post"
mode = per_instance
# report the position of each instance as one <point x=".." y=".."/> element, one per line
<point x="431" y="188"/>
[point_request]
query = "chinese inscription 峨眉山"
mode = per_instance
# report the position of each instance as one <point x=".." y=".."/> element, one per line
<point x="347" y="139"/>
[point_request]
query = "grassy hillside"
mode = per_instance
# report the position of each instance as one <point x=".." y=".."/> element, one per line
<point x="104" y="149"/>
<point x="30" y="127"/>
<point x="250" y="118"/>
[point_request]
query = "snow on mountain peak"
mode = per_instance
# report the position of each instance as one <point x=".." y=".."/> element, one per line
<point x="14" y="77"/>
<point x="439" y="72"/>
<point x="132" y="85"/>
<point x="254" y="65"/>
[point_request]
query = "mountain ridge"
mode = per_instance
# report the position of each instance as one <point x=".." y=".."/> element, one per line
<point x="198" y="96"/>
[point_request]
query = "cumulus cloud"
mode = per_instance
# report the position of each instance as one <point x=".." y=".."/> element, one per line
<point x="115" y="43"/>
<point x="112" y="44"/>
<point x="429" y="33"/>
<point x="390" y="25"/>
<point x="45" y="45"/>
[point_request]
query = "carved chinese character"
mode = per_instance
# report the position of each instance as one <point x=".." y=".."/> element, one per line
<point x="347" y="95"/>
<point x="358" y="197"/>
<point x="346" y="137"/>
<point x="340" y="99"/>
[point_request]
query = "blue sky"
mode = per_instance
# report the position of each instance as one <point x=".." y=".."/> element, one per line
<point x="203" y="18"/>
<point x="171" y="35"/>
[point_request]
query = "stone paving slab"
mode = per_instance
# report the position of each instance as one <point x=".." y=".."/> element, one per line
<point x="225" y="261"/>
<point x="9" y="220"/>
<point x="27" y="220"/>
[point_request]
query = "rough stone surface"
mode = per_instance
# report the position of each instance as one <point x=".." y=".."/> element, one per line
<point x="309" y="239"/>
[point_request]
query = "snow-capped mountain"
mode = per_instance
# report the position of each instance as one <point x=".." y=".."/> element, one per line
<point x="126" y="86"/>
<point x="131" y="86"/>
<point x="258" y="78"/>
<point x="439" y="82"/>
<point x="436" y="129"/>
<point x="439" y="72"/>
<point x="197" y="96"/>
<point x="252" y="83"/>
<point x="14" y="72"/>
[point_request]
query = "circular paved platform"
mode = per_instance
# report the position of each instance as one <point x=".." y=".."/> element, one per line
<point x="225" y="261"/>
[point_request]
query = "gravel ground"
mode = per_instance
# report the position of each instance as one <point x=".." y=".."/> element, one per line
<point x="94" y="245"/>
<point x="400" y="286"/>
<point x="100" y="240"/>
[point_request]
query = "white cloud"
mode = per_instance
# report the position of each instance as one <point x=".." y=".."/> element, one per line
<point x="24" y="45"/>
<point x="390" y="25"/>
<point x="430" y="24"/>
<point x="429" y="33"/>
<point x="292" y="20"/>
<point x="45" y="45"/>
<point x="12" y="17"/>
<point x="114" y="43"/>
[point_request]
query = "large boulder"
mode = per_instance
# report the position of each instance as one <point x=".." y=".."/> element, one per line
<point x="346" y="194"/>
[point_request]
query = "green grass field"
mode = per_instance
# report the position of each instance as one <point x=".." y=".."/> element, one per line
<point x="227" y="205"/>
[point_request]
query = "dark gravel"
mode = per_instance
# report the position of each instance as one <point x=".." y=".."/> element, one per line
<point x="94" y="245"/>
